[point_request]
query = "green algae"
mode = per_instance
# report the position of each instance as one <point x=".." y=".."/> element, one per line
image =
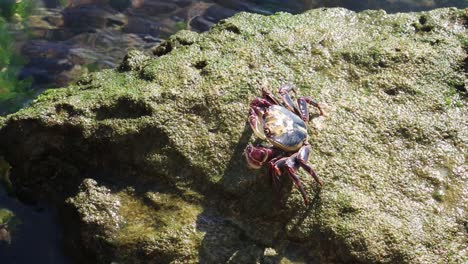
<point x="160" y="226"/>
<point x="397" y="115"/>
<point x="5" y="181"/>
<point x="13" y="91"/>
<point x="8" y="225"/>
<point x="165" y="223"/>
<point x="5" y="216"/>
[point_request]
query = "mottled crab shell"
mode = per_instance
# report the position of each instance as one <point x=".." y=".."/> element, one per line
<point x="284" y="129"/>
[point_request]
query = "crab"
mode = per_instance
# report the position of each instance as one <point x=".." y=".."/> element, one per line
<point x="283" y="124"/>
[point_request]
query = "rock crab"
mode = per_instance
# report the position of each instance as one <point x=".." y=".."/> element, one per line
<point x="283" y="125"/>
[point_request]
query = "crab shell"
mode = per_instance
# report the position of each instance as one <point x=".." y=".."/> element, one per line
<point x="282" y="128"/>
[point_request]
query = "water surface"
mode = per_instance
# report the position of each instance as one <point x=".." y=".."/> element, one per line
<point x="36" y="236"/>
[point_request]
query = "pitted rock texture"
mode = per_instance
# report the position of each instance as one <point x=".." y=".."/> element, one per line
<point x="165" y="135"/>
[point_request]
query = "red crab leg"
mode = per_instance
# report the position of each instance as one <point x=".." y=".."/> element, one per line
<point x="260" y="102"/>
<point x="288" y="102"/>
<point x="303" y="111"/>
<point x="269" y="96"/>
<point x="289" y="164"/>
<point x="255" y="121"/>
<point x="302" y="157"/>
<point x="295" y="178"/>
<point x="256" y="116"/>
<point x="274" y="173"/>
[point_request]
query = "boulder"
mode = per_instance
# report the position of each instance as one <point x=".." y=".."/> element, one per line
<point x="149" y="156"/>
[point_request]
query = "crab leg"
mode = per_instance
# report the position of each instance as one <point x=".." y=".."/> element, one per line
<point x="291" y="168"/>
<point x="256" y="116"/>
<point x="256" y="123"/>
<point x="302" y="157"/>
<point x="261" y="102"/>
<point x="303" y="111"/>
<point x="295" y="178"/>
<point x="288" y="102"/>
<point x="269" y="96"/>
<point x="274" y="172"/>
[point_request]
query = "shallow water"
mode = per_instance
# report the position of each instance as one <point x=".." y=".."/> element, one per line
<point x="36" y="236"/>
<point x="60" y="42"/>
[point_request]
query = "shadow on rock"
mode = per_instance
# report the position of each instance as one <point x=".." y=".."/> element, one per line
<point x="249" y="225"/>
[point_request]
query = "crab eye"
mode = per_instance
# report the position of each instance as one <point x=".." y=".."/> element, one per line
<point x="267" y="131"/>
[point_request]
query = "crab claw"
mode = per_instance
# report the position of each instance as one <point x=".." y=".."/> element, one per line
<point x="257" y="156"/>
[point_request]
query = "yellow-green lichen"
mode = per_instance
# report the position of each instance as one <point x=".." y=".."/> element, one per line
<point x="164" y="223"/>
<point x="397" y="114"/>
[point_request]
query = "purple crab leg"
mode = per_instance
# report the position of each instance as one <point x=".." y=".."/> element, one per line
<point x="302" y="157"/>
<point x="256" y="116"/>
<point x="256" y="124"/>
<point x="303" y="111"/>
<point x="291" y="169"/>
<point x="288" y="102"/>
<point x="295" y="178"/>
<point x="269" y="96"/>
<point x="274" y="172"/>
<point x="261" y="102"/>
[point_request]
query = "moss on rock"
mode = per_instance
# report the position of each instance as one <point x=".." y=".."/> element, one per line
<point x="8" y="222"/>
<point x="120" y="226"/>
<point x="166" y="135"/>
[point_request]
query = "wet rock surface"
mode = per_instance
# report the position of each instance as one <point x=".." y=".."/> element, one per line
<point x="149" y="156"/>
<point x="5" y="219"/>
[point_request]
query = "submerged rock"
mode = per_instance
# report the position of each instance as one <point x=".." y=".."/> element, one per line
<point x="5" y="218"/>
<point x="162" y="139"/>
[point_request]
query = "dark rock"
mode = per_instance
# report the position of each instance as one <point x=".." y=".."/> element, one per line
<point x="183" y="3"/>
<point x="152" y="7"/>
<point x="200" y="24"/>
<point x="216" y="12"/>
<point x="142" y="26"/>
<point x="88" y="18"/>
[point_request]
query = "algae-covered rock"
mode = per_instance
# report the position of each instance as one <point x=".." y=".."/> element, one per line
<point x="117" y="225"/>
<point x="163" y="139"/>
<point x="6" y="217"/>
